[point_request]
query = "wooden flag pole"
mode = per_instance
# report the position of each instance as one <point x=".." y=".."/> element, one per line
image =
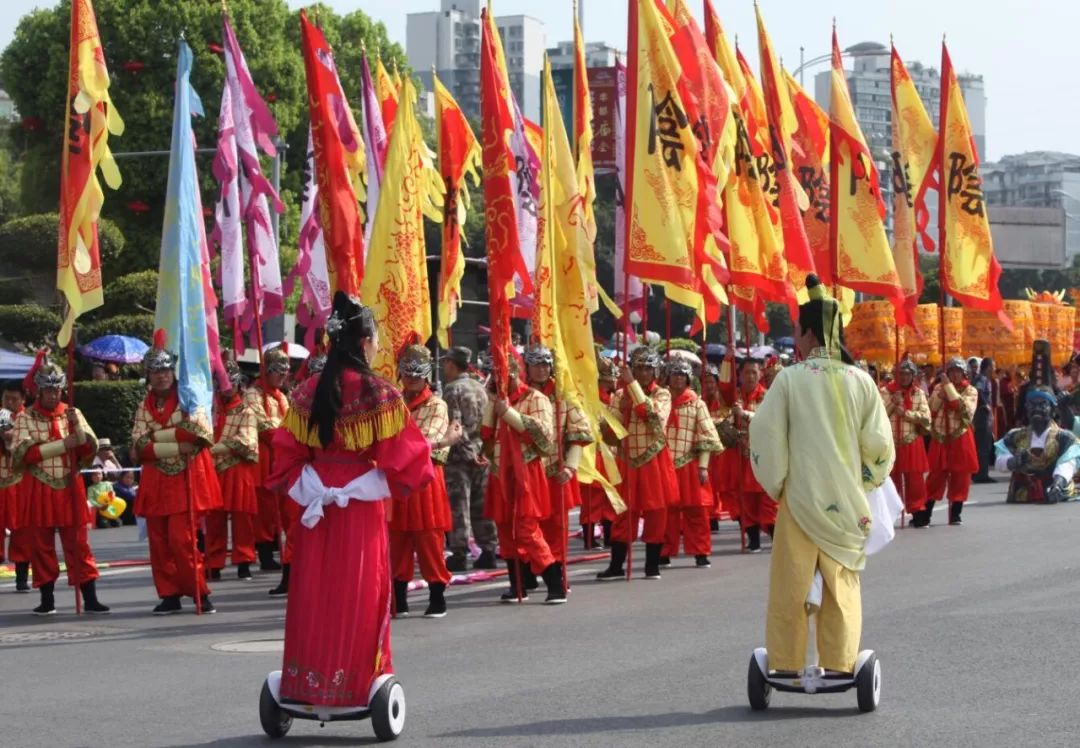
<point x="78" y="507"/>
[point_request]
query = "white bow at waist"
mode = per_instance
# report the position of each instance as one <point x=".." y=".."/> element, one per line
<point x="310" y="493"/>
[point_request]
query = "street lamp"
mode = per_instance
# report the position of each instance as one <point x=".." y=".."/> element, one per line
<point x="864" y="49"/>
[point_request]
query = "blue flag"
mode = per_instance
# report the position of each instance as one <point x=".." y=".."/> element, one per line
<point x="181" y="301"/>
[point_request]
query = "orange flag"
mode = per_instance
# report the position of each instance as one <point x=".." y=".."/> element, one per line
<point x="969" y="270"/>
<point x="386" y="89"/>
<point x="913" y="143"/>
<point x="459" y="154"/>
<point x="782" y="122"/>
<point x="861" y="255"/>
<point x="810" y="161"/>
<point x="91" y="116"/>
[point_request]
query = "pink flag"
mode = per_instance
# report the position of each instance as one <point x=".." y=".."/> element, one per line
<point x="622" y="283"/>
<point x="526" y="185"/>
<point x="227" y="233"/>
<point x="314" y="307"/>
<point x="376" y="141"/>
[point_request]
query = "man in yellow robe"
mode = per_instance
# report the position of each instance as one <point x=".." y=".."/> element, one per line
<point x="819" y="442"/>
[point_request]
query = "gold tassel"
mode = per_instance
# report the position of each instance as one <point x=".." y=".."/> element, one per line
<point x="355" y="433"/>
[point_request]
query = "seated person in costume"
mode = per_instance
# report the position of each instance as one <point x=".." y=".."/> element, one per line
<point x="1041" y="456"/>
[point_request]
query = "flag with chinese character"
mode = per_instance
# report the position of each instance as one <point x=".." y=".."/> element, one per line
<point x="810" y="162"/>
<point x="186" y="305"/>
<point x="791" y="199"/>
<point x="459" y="154"/>
<point x="564" y="322"/>
<point x="310" y="269"/>
<point x="91" y="117"/>
<point x="396" y="281"/>
<point x="339" y="163"/>
<point x="376" y="141"/>
<point x="913" y="143"/>
<point x="969" y="271"/>
<point x="386" y="91"/>
<point x="503" y="243"/>
<point x="861" y="255"/>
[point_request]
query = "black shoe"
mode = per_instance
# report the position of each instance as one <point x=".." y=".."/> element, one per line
<point x="556" y="586"/>
<point x="665" y="562"/>
<point x="91" y="604"/>
<point x="955" y="507"/>
<point x="266" y="557"/>
<point x="983" y="479"/>
<point x="215" y="575"/>
<point x="615" y="566"/>
<point x="168" y="606"/>
<point x="512" y="595"/>
<point x="206" y="607"/>
<point x="457" y="563"/>
<point x="22" y="576"/>
<point x="48" y="602"/>
<point x="282" y="590"/>
<point x="921" y="518"/>
<point x="714" y="525"/>
<point x="702" y="562"/>
<point x="753" y="539"/>
<point x="436" y="601"/>
<point x="652" y="560"/>
<point x="486" y="560"/>
<point x="401" y="598"/>
<point x="243" y="572"/>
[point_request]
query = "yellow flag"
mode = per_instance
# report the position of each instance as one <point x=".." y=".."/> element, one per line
<point x="395" y="283"/>
<point x="387" y="90"/>
<point x="564" y="321"/>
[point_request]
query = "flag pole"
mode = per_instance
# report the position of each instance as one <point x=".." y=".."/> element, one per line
<point x="77" y="505"/>
<point x="628" y="214"/>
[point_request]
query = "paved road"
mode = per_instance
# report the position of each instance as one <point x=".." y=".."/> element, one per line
<point x="976" y="628"/>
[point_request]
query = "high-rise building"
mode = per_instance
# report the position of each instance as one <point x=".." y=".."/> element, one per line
<point x="1039" y="179"/>
<point x="597" y="55"/>
<point x="448" y="41"/>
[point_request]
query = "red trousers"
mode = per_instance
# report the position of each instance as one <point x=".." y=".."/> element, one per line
<point x="625" y="527"/>
<point x="555" y="532"/>
<point x="217" y="538"/>
<point x="20" y="548"/>
<point x="172" y="559"/>
<point x="958" y="485"/>
<point x="81" y="567"/>
<point x="691" y="523"/>
<point x="289" y="513"/>
<point x="912" y="489"/>
<point x="425" y="545"/>
<point x="268" y="525"/>
<point x="757" y="509"/>
<point x="523" y="540"/>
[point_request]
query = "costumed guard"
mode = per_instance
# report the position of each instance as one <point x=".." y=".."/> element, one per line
<point x="419" y="524"/>
<point x="518" y="431"/>
<point x="178" y="485"/>
<point x="757" y="509"/>
<point x="953" y="459"/>
<point x="236" y="459"/>
<point x="693" y="441"/>
<point x="909" y="416"/>
<point x="720" y="413"/>
<point x="820" y="442"/>
<point x="270" y="403"/>
<point x="649" y="484"/>
<point x="50" y="442"/>
<point x="20" y="544"/>
<point x="596" y="507"/>
<point x="573" y="431"/>
<point x="346" y="445"/>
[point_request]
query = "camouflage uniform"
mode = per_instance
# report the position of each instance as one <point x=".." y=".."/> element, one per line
<point x="466" y="481"/>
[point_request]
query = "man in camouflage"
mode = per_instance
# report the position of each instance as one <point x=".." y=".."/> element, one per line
<point x="466" y="468"/>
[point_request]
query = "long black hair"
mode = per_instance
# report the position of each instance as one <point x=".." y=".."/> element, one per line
<point x="357" y="322"/>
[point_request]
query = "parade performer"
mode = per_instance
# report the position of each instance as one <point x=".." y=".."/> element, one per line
<point x="720" y="413"/>
<point x="952" y="456"/>
<point x="20" y="544"/>
<point x="909" y="416"/>
<point x="270" y="404"/>
<point x="573" y="432"/>
<point x="596" y="507"/>
<point x="757" y="510"/>
<point x="649" y="484"/>
<point x="419" y="524"/>
<point x="819" y="442"/>
<point x="236" y="459"/>
<point x="692" y="439"/>
<point x="518" y="431"/>
<point x="345" y="446"/>
<point x="178" y="483"/>
<point x="50" y="442"/>
<point x="466" y="467"/>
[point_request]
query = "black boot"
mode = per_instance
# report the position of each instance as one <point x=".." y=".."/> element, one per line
<point x="457" y="562"/>
<point x="215" y="575"/>
<point x="615" y="567"/>
<point x="206" y="607"/>
<point x="665" y="562"/>
<point x="753" y="539"/>
<point x="556" y="586"/>
<point x="22" y="576"/>
<point x="282" y="590"/>
<point x="243" y="572"/>
<point x="702" y="562"/>
<point x="266" y="557"/>
<point x="528" y="578"/>
<point x="955" y="507"/>
<point x="921" y="518"/>
<point x="587" y="531"/>
<point x="606" y="525"/>
<point x="436" y="601"/>
<point x="48" y="602"/>
<point x="515" y="592"/>
<point x="91" y="604"/>
<point x="401" y="598"/>
<point x="770" y="530"/>
<point x="714" y="525"/>
<point x="652" y="560"/>
<point x="168" y="606"/>
<point x="486" y="560"/>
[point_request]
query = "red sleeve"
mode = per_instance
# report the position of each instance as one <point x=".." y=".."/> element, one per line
<point x="84" y="450"/>
<point x="405" y="461"/>
<point x="290" y="456"/>
<point x="487" y="433"/>
<point x="642" y="409"/>
<point x="147" y="453"/>
<point x="183" y="435"/>
<point x="33" y="455"/>
<point x="952" y="404"/>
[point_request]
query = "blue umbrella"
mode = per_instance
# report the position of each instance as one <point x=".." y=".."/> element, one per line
<point x="118" y="349"/>
<point x="786" y="342"/>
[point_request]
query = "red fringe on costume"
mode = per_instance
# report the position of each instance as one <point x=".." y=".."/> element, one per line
<point x="238" y="488"/>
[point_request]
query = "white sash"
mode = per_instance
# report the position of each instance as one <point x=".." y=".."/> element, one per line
<point x="310" y="493"/>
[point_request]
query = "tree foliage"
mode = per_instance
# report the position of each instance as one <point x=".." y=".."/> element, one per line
<point x="28" y="325"/>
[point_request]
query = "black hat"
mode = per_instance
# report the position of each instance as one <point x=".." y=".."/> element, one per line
<point x="460" y="355"/>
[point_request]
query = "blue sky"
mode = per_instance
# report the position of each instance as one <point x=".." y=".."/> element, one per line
<point x="1026" y="56"/>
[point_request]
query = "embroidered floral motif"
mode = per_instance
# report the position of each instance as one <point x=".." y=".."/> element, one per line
<point x="864" y="525"/>
<point x="339" y="678"/>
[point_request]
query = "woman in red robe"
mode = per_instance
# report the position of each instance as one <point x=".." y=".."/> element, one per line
<point x="346" y="445"/>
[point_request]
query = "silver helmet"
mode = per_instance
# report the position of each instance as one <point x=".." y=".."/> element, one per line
<point x="415" y="361"/>
<point x="50" y="376"/>
<point x="7" y="422"/>
<point x="538" y="355"/>
<point x="680" y="366"/>
<point x="645" y="356"/>
<point x="157" y="358"/>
